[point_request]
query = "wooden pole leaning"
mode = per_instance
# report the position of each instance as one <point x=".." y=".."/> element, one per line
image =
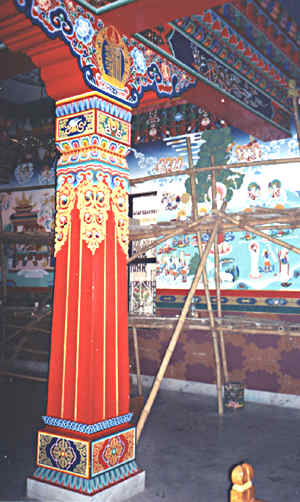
<point x="218" y="279"/>
<point x="27" y="327"/>
<point x="205" y="283"/>
<point x="4" y="286"/>
<point x="172" y="344"/>
<point x="3" y="263"/>
<point x="236" y="165"/>
<point x="294" y="94"/>
<point x="255" y="231"/>
<point x="137" y="361"/>
<point x="190" y="227"/>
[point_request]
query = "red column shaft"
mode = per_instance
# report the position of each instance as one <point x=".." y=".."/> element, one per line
<point x="89" y="366"/>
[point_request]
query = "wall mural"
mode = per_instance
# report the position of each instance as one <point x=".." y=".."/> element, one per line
<point x="247" y="262"/>
<point x="29" y="264"/>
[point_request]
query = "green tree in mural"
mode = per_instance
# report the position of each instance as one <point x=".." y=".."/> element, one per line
<point x="217" y="145"/>
<point x="194" y="264"/>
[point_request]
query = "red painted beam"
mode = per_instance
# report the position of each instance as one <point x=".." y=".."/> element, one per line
<point x="59" y="69"/>
<point x="143" y="14"/>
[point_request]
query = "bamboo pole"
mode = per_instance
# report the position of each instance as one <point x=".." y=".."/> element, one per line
<point x="205" y="282"/>
<point x="172" y="344"/>
<point x="225" y="328"/>
<point x="253" y="230"/>
<point x="36" y="351"/>
<point x="218" y="279"/>
<point x="182" y="229"/>
<point x="137" y="361"/>
<point x="23" y="376"/>
<point x="31" y="328"/>
<point x="294" y="94"/>
<point x="4" y="285"/>
<point x="236" y="165"/>
<point x="27" y="327"/>
<point x="227" y="227"/>
<point x="290" y="219"/>
<point x="3" y="263"/>
<point x="27" y="237"/>
<point x="22" y="188"/>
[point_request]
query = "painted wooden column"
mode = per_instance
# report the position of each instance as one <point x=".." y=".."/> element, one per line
<point x="88" y="443"/>
<point x="89" y="378"/>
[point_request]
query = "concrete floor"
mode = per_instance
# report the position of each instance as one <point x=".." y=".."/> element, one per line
<point x="186" y="450"/>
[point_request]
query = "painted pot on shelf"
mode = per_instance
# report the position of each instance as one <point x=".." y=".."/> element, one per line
<point x="234" y="395"/>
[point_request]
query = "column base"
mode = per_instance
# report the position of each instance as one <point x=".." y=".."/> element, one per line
<point x="108" y="487"/>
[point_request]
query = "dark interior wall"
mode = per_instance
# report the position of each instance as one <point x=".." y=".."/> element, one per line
<point x="262" y="362"/>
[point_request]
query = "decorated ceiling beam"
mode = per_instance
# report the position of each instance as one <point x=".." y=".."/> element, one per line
<point x="185" y="50"/>
<point x="55" y="34"/>
<point x="239" y="50"/>
<point x="278" y="40"/>
<point x="212" y="49"/>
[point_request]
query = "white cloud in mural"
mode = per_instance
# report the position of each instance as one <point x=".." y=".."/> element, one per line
<point x="32" y="274"/>
<point x="293" y="148"/>
<point x="143" y="161"/>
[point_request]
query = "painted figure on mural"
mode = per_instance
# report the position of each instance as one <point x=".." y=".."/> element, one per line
<point x="254" y="191"/>
<point x="277" y="196"/>
<point x="267" y="261"/>
<point x="254" y="258"/>
<point x="274" y="188"/>
<point x="284" y="268"/>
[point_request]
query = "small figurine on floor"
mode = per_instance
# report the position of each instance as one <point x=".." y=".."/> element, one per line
<point x="242" y="489"/>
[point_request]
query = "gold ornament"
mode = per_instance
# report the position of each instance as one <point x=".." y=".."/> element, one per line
<point x="65" y="199"/>
<point x="112" y="56"/>
<point x="93" y="204"/>
<point x="119" y="199"/>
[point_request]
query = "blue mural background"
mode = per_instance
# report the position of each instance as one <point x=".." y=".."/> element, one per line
<point x="247" y="261"/>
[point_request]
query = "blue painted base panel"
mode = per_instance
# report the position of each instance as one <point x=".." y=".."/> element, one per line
<point x="86" y="486"/>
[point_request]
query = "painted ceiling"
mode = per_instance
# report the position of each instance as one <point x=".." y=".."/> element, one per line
<point x="244" y="52"/>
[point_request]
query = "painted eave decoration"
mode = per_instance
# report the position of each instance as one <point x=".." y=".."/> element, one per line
<point x="115" y="65"/>
<point x="246" y="50"/>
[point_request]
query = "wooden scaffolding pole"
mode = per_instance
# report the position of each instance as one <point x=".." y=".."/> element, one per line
<point x="137" y="361"/>
<point x="294" y="94"/>
<point x="4" y="286"/>
<point x="253" y="230"/>
<point x="218" y="278"/>
<point x="236" y="165"/>
<point x="26" y="327"/>
<point x="205" y="282"/>
<point x="172" y="344"/>
<point x="182" y="229"/>
<point x="3" y="263"/>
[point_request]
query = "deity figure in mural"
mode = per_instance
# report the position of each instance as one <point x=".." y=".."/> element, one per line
<point x="274" y="188"/>
<point x="284" y="268"/>
<point x="254" y="191"/>
<point x="267" y="261"/>
<point x="254" y="257"/>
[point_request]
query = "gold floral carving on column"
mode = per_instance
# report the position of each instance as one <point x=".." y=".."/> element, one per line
<point x="93" y="204"/>
<point x="119" y="200"/>
<point x="65" y="200"/>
